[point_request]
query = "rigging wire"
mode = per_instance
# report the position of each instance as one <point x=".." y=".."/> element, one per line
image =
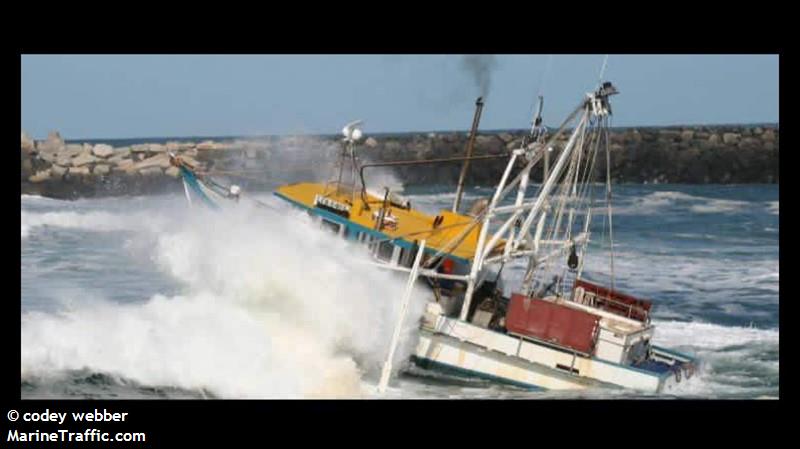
<point x="608" y="203"/>
<point x="561" y="194"/>
<point x="588" y="195"/>
<point x="583" y="178"/>
<point x="531" y="281"/>
<point x="567" y="195"/>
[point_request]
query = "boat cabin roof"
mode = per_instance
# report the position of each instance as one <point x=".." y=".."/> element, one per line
<point x="407" y="224"/>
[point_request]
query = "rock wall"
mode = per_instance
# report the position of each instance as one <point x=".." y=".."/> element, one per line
<point x="691" y="154"/>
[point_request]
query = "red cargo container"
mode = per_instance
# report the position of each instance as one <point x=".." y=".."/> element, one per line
<point x="553" y="323"/>
<point x="616" y="302"/>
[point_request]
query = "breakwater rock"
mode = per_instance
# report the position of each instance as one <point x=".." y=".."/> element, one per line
<point x="689" y="154"/>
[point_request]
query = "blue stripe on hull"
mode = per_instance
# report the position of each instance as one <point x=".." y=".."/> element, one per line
<point x="192" y="182"/>
<point x="426" y="363"/>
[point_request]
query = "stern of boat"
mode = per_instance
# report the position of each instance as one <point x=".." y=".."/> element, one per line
<point x="671" y="366"/>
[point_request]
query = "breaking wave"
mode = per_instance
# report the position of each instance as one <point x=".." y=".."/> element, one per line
<point x="270" y="308"/>
<point x="266" y="305"/>
<point x="734" y="360"/>
<point x="773" y="207"/>
<point x="92" y="221"/>
<point x="699" y="204"/>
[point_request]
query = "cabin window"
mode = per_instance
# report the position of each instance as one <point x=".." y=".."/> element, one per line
<point x="369" y="241"/>
<point x="404" y="259"/>
<point x="385" y="251"/>
<point x="331" y="226"/>
<point x="396" y="253"/>
<point x="407" y="256"/>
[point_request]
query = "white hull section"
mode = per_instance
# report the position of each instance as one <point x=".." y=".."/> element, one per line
<point x="472" y="350"/>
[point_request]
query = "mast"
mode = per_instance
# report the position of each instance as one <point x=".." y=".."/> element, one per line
<point x="470" y="143"/>
<point x="398" y="327"/>
<point x="593" y="134"/>
<point x="595" y="105"/>
<point x="536" y="136"/>
<point x="477" y="261"/>
<point x="352" y="133"/>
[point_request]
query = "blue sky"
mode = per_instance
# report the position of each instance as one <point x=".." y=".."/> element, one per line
<point x="119" y="96"/>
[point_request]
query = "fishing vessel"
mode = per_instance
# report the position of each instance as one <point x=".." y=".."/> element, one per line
<point x="553" y="328"/>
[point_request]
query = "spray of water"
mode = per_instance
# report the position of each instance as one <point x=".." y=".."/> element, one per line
<point x="305" y="158"/>
<point x="271" y="307"/>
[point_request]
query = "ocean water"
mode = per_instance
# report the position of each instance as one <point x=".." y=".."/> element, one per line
<point x="145" y="297"/>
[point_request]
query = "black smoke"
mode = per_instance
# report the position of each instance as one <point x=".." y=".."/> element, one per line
<point x="480" y="67"/>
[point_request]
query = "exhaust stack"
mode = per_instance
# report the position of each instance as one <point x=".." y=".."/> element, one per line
<point x="470" y="144"/>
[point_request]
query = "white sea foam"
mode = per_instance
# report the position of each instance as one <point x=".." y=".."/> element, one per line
<point x="272" y="308"/>
<point x="773" y="207"/>
<point x="706" y="277"/>
<point x="36" y="199"/>
<point x="89" y="220"/>
<point x="733" y="360"/>
<point x="657" y="201"/>
<point x="665" y="198"/>
<point x="709" y="336"/>
<point x="718" y="206"/>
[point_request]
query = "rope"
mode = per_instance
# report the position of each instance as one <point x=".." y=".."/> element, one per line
<point x="579" y="199"/>
<point x="428" y="231"/>
<point x="262" y="204"/>
<point x="237" y="175"/>
<point x="588" y="189"/>
<point x="586" y="196"/>
<point x="212" y="183"/>
<point x="567" y="183"/>
<point x="233" y="172"/>
<point x="608" y="202"/>
<point x="566" y="186"/>
<point x="583" y="174"/>
<point x="530" y="278"/>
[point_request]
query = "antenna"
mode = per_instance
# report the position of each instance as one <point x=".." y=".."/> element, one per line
<point x="537" y="130"/>
<point x="545" y="72"/>
<point x="352" y="134"/>
<point x="603" y="70"/>
<point x="538" y="119"/>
